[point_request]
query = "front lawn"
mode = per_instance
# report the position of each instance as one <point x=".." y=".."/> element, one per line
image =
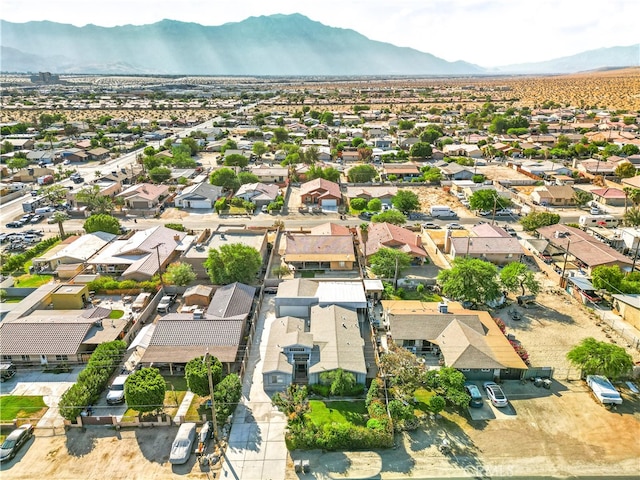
<point x="321" y="413"/>
<point x="14" y="406"/>
<point x="423" y="397"/>
<point x="32" y="281"/>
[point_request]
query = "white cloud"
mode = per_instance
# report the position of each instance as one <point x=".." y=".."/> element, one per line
<point x="485" y="32"/>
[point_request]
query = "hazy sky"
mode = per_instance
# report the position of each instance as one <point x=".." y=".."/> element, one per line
<point x="485" y="32"/>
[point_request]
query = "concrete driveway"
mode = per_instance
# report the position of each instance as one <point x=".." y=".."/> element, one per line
<point x="50" y="386"/>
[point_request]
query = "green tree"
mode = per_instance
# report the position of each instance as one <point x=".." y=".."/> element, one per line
<point x="229" y="145"/>
<point x="233" y="262"/>
<point x="374" y="205"/>
<point x="144" y="390"/>
<point x="280" y="135"/>
<point x="358" y="204"/>
<point x="517" y="276"/>
<point x="54" y="193"/>
<point x="7" y="147"/>
<point x="448" y="382"/>
<point x="488" y="200"/>
<point x="471" y="280"/>
<point x="225" y="178"/>
<point x="191" y="144"/>
<point x="59" y="218"/>
<point x="341" y="382"/>
<point x="259" y="148"/>
<point x="160" y="174"/>
<point x="95" y="201"/>
<point x="625" y="170"/>
<point x="406" y="201"/>
<point x="632" y="217"/>
<point x="582" y="197"/>
<point x="601" y="358"/>
<point x="362" y="174"/>
<point x="227" y="394"/>
<point x="630" y="149"/>
<point x="385" y="261"/>
<point x="421" y="150"/>
<point x="196" y="375"/>
<point x="100" y="222"/>
<point x="17" y="163"/>
<point x="180" y="274"/>
<point x="437" y="404"/>
<point x="281" y="271"/>
<point x="236" y="160"/>
<point x="390" y="216"/>
<point x="364" y="234"/>
<point x="247" y="177"/>
<point x="608" y="278"/>
<point x="535" y="220"/>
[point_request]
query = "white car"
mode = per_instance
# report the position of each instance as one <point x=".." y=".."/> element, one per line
<point x="454" y="226"/>
<point x="495" y="394"/>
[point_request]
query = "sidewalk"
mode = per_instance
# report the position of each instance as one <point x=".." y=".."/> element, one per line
<point x="184" y="406"/>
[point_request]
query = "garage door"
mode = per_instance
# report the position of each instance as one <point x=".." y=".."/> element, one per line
<point x="328" y="202"/>
<point x="200" y="204"/>
<point x="294" y="311"/>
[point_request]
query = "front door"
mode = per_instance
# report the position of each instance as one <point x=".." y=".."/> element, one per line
<point x="43" y="360"/>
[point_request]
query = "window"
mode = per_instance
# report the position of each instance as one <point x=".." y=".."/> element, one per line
<point x="277" y="379"/>
<point x="62" y="357"/>
<point x="296" y="349"/>
<point x="342" y="264"/>
<point x="26" y="358"/>
<point x="6" y="357"/>
<point x="485" y="369"/>
<point x="465" y="369"/>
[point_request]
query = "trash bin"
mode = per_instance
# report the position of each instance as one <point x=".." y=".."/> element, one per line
<point x="537" y="382"/>
<point x="546" y="383"/>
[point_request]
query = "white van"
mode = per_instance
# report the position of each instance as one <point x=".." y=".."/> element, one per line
<point x="604" y="390"/>
<point x="442" y="211"/>
<point x="607" y="221"/>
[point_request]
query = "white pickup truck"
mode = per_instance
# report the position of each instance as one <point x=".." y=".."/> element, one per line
<point x="604" y="390"/>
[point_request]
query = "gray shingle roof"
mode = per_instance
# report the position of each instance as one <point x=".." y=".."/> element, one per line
<point x="232" y="302"/>
<point x="42" y="338"/>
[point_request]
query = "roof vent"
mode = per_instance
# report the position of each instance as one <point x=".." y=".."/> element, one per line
<point x="198" y="314"/>
<point x="443" y="308"/>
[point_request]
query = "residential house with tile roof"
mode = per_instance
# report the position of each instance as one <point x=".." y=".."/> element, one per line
<point x="614" y="197"/>
<point x="486" y="242"/>
<point x="142" y="255"/>
<point x="296" y="297"/>
<point x="381" y="235"/>
<point x="271" y="174"/>
<point x="554" y="195"/>
<point x="406" y="171"/>
<point x="199" y="196"/>
<point x="297" y="353"/>
<point x="319" y="252"/>
<point x="321" y="192"/>
<point x="468" y="340"/>
<point x="145" y="198"/>
<point x="384" y="193"/>
<point x="259" y="194"/>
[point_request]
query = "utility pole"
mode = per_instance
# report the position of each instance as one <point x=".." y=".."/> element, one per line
<point x="635" y="255"/>
<point x="207" y="359"/>
<point x="157" y="249"/>
<point x="566" y="257"/>
<point x="395" y="276"/>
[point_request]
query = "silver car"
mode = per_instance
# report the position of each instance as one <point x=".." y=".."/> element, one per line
<point x="183" y="444"/>
<point x="495" y="394"/>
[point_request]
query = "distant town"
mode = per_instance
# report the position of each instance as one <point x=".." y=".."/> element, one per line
<point x="319" y="278"/>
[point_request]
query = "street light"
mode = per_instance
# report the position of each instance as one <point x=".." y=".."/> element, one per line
<point x="206" y="359"/>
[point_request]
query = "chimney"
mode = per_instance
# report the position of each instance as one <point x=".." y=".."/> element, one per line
<point x="443" y="308"/>
<point x="176" y="237"/>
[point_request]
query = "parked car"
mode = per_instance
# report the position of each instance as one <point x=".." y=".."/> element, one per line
<point x="183" y="444"/>
<point x="14" y="441"/>
<point x="495" y="394"/>
<point x="505" y="212"/>
<point x="454" y="226"/>
<point x="166" y="303"/>
<point x="116" y="390"/>
<point x="431" y="226"/>
<point x="15" y="224"/>
<point x="36" y="219"/>
<point x="474" y="392"/>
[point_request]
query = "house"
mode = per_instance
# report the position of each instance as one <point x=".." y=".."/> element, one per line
<point x="554" y="195"/>
<point x="381" y="235"/>
<point x="610" y="196"/>
<point x="70" y="297"/>
<point x="98" y="154"/>
<point x="198" y="196"/>
<point x="20" y="143"/>
<point x="321" y="192"/>
<point x="29" y="175"/>
<point x="597" y="167"/>
<point x="633" y="182"/>
<point x="383" y="193"/>
<point x="572" y="249"/>
<point x="142" y="255"/>
<point x="296" y="297"/>
<point x="545" y="168"/>
<point x="197" y="253"/>
<point x="181" y="337"/>
<point x="628" y="307"/>
<point x="259" y="194"/>
<point x="297" y="354"/>
<point x="198" y="295"/>
<point x="454" y="171"/>
<point x="72" y="251"/>
<point x="405" y="171"/>
<point x="487" y="242"/>
<point x="266" y="174"/>
<point x="462" y="150"/>
<point x="318" y="252"/>
<point x="102" y="189"/>
<point x="468" y="340"/>
<point x="145" y="198"/>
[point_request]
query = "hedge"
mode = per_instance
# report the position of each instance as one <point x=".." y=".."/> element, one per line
<point x="92" y="380"/>
<point x="102" y="284"/>
<point x="17" y="261"/>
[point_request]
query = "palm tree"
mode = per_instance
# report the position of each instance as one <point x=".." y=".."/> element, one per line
<point x="60" y="218"/>
<point x="632" y="217"/>
<point x="364" y="234"/>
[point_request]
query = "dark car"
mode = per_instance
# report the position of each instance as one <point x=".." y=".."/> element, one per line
<point x="15" y="224"/>
<point x="474" y="392"/>
<point x="14" y="441"/>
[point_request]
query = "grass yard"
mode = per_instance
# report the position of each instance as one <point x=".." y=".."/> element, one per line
<point x="422" y="397"/>
<point x="198" y="408"/>
<point x="14" y="406"/>
<point x="115" y="314"/>
<point x="337" y="412"/>
<point x="32" y="281"/>
<point x="12" y="299"/>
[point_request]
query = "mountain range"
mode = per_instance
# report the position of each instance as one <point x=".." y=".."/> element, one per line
<point x="278" y="45"/>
